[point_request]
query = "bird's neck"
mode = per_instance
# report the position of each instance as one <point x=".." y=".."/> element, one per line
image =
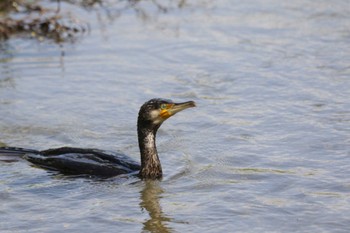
<point x="150" y="164"/>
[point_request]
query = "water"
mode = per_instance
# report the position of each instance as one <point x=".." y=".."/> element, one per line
<point x="266" y="150"/>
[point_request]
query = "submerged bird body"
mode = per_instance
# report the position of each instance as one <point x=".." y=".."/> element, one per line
<point x="75" y="161"/>
<point x="70" y="160"/>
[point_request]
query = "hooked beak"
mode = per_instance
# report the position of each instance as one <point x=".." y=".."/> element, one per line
<point x="178" y="107"/>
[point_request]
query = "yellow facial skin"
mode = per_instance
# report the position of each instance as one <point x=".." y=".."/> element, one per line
<point x="164" y="113"/>
<point x="168" y="110"/>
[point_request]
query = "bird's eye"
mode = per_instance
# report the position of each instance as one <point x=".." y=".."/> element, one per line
<point x="163" y="106"/>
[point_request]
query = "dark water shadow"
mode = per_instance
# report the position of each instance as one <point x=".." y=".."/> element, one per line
<point x="150" y="201"/>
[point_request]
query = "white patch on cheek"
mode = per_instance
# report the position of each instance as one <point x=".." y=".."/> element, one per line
<point x="155" y="117"/>
<point x="154" y="114"/>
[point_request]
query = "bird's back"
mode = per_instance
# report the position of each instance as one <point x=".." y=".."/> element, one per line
<point x="76" y="161"/>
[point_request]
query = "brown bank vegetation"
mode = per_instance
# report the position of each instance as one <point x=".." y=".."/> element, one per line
<point x="38" y="19"/>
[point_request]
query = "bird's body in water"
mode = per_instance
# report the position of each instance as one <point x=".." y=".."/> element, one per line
<point x="70" y="160"/>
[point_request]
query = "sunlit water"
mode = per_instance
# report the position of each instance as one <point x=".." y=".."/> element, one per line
<point x="266" y="150"/>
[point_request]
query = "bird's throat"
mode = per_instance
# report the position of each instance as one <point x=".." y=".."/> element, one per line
<point x="150" y="164"/>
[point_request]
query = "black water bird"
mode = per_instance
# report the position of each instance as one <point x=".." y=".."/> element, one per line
<point x="70" y="160"/>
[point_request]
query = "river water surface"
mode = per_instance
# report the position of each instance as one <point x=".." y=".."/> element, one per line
<point x="266" y="150"/>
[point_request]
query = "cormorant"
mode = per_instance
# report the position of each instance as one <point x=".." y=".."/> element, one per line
<point x="70" y="160"/>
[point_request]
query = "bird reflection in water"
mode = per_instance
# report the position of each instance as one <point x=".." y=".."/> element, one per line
<point x="150" y="195"/>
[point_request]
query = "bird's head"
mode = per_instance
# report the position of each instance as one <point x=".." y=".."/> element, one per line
<point x="155" y="111"/>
